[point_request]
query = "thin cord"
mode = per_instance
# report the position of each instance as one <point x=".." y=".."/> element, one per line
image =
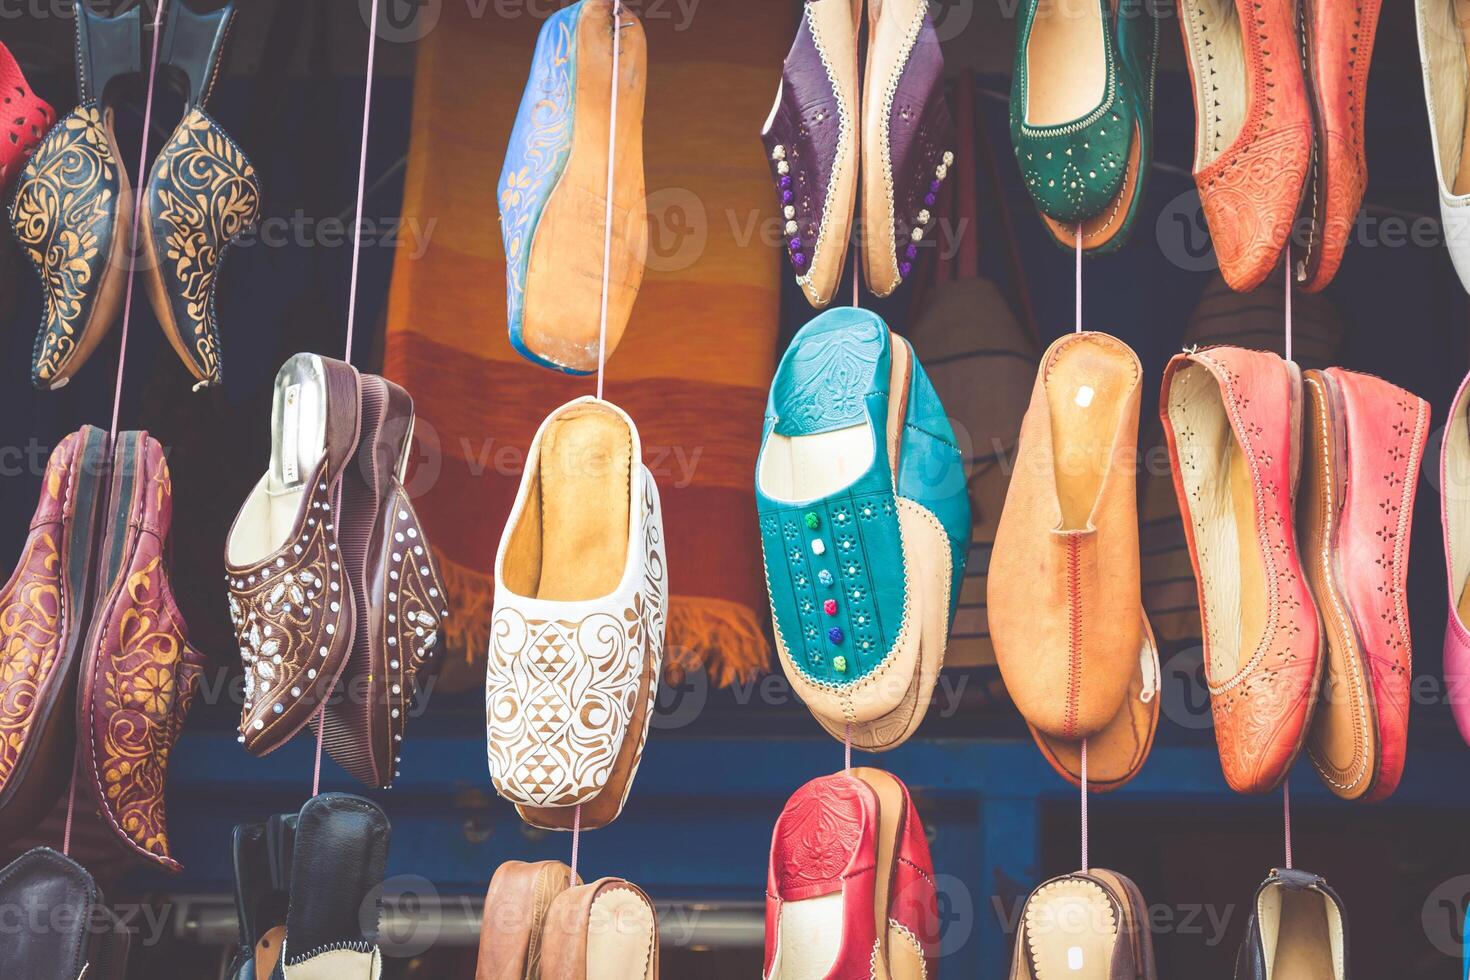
<point x="854" y="282"/>
<point x="1079" y="279"/>
<point x="612" y="143"/>
<point x="122" y="349"/>
<point x="847" y="747"/>
<point x="316" y="775"/>
<point x="1085" y="865"/>
<point x="1288" y="304"/>
<point x="367" y="108"/>
<point x="576" y="839"/>
<point x="1286" y="817"/>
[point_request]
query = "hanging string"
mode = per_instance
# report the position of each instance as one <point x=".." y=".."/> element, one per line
<point x="576" y="839"/>
<point x="1085" y="865"/>
<point x="367" y="108"/>
<point x="1078" y="326"/>
<point x="612" y="145"/>
<point x="847" y="747"/>
<point x="1286" y="817"/>
<point x="1288" y="299"/>
<point x="122" y="350"/>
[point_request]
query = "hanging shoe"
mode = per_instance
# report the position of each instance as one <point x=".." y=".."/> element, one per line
<point x="262" y="866"/>
<point x="907" y="901"/>
<point x="1298" y="929"/>
<point x="45" y="607"/>
<point x="1339" y="48"/>
<point x="553" y="189"/>
<point x="82" y="941"/>
<point x="201" y="193"/>
<point x="577" y="639"/>
<point x="864" y="524"/>
<point x="24" y="119"/>
<point x="138" y="671"/>
<point x="397" y="589"/>
<point x="907" y="140"/>
<point x="337" y="866"/>
<point x="1092" y="924"/>
<point x="1253" y="141"/>
<point x="1233" y="420"/>
<point x="823" y="914"/>
<point x="73" y="206"/>
<point x="515" y="914"/>
<point x="579" y="944"/>
<point x="1454" y="474"/>
<point x="1082" y="115"/>
<point x="1444" y="49"/>
<point x="291" y="599"/>
<point x="1365" y="440"/>
<point x="811" y="144"/>
<point x="1066" y="560"/>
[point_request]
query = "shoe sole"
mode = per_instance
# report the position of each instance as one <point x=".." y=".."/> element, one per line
<point x="42" y="772"/>
<point x="559" y="325"/>
<point x="1345" y="671"/>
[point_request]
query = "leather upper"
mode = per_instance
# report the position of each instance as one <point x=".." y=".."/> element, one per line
<point x="1073" y="170"/>
<point x="83" y="939"/>
<point x="913" y="898"/>
<point x="826" y="842"/>
<point x="1261" y="683"/>
<point x="24" y="122"/>
<point x="201" y="194"/>
<point x="140" y="671"/>
<point x="1386" y="429"/>
<point x="540" y="145"/>
<point x="1251" y="167"/>
<point x="810" y="139"/>
<point x="908" y="139"/>
<point x="577" y="924"/>
<point x="514" y="913"/>
<point x="1056" y="593"/>
<point x="1068" y="915"/>
<point x="566" y="680"/>
<point x="1446" y="89"/>
<point x="1454" y="476"/>
<point x="1340" y="37"/>
<point x="65" y="216"/>
<point x="1268" y="931"/>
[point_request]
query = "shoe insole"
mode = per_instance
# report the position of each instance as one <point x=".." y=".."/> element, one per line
<point x="1251" y="622"/>
<point x="1087" y="390"/>
<point x="620" y="937"/>
<point x="1066" y="63"/>
<point x="1303" y="949"/>
<point x="799" y="468"/>
<point x="1462" y="179"/>
<point x="1217" y="58"/>
<point x="585" y="471"/>
<point x="267" y="951"/>
<point x="298" y="440"/>
<point x="891" y="813"/>
<point x="1071" y="931"/>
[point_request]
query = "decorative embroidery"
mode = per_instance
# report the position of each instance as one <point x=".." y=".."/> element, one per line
<point x="202" y="194"/>
<point x="560" y="694"/>
<point x="63" y="216"/>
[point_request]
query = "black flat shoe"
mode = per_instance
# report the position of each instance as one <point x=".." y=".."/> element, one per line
<point x="262" y="864"/>
<point x="89" y="942"/>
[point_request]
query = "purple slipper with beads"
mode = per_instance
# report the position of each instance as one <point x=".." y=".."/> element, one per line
<point x="906" y="140"/>
<point x="811" y="141"/>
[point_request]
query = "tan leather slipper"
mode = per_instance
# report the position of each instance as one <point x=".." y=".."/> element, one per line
<point x="516" y="904"/>
<point x="607" y="930"/>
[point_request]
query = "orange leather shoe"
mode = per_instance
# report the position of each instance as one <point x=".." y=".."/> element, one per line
<point x="1366" y="439"/>
<point x="1064" y="569"/>
<point x="1339" y="46"/>
<point x="1253" y="132"/>
<point x="1233" y="418"/>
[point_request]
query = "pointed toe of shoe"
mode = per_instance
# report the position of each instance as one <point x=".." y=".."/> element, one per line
<point x="1250" y="200"/>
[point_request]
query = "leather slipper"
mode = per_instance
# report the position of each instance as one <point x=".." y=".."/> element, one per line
<point x="515" y="913"/>
<point x="607" y="930"/>
<point x="1088" y="926"/>
<point x="83" y="942"/>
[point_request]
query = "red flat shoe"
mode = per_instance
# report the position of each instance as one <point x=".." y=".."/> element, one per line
<point x="1233" y="421"/>
<point x="822" y="883"/>
<point x="1366" y="438"/>
<point x="24" y="119"/>
<point x="912" y="903"/>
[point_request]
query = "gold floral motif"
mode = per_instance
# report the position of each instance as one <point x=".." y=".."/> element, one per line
<point x="204" y="192"/>
<point x="63" y="216"/>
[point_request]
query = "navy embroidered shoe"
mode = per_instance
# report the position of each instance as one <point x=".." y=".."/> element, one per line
<point x="865" y="526"/>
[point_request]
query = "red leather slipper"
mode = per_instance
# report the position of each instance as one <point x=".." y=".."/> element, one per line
<point x="24" y="119"/>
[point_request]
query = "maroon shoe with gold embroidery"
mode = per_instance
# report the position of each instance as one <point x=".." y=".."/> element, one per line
<point x="43" y="615"/>
<point x="138" y="671"/>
